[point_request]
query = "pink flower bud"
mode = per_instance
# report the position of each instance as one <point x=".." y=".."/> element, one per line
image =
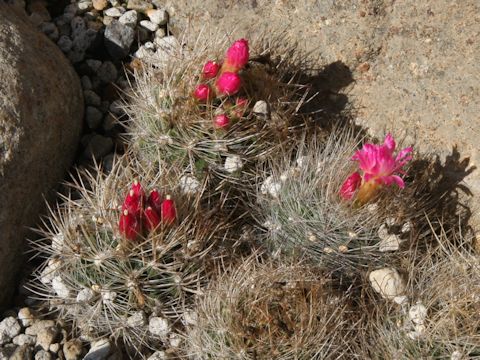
<point x="240" y="107"/>
<point x="133" y="203"/>
<point x="236" y="57"/>
<point x="151" y="220"/>
<point x="221" y="121"/>
<point x="350" y="186"/>
<point x="137" y="189"/>
<point x="169" y="214"/>
<point x="155" y="201"/>
<point x="210" y="70"/>
<point x="202" y="92"/>
<point x="129" y="226"/>
<point x="228" y="83"/>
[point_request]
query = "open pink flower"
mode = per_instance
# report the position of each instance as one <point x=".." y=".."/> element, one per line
<point x="350" y="186"/>
<point x="379" y="164"/>
<point x="228" y="83"/>
<point x="236" y="57"/>
<point x="210" y="70"/>
<point x="202" y="92"/>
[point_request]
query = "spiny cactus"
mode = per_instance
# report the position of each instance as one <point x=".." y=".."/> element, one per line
<point x="213" y="125"/>
<point x="111" y="276"/>
<point x="302" y="205"/>
<point x="271" y="311"/>
<point x="440" y="317"/>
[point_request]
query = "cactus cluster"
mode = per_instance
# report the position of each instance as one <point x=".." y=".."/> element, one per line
<point x="302" y="206"/>
<point x="113" y="274"/>
<point x="271" y="311"/>
<point x="440" y="316"/>
<point x="343" y="231"/>
<point x="215" y="116"/>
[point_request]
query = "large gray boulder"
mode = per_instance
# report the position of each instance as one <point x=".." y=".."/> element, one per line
<point x="414" y="64"/>
<point x="41" y="111"/>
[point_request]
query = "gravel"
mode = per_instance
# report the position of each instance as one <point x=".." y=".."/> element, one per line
<point x="118" y="39"/>
<point x="99" y="37"/>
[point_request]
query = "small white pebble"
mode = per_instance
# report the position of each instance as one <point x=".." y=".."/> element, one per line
<point x="114" y="12"/>
<point x="390" y="221"/>
<point x="233" y="163"/>
<point x="390" y="243"/>
<point x="400" y="300"/>
<point x="382" y="232"/>
<point x="157" y="16"/>
<point x="189" y="184"/>
<point x="137" y="319"/>
<point x="372" y="208"/>
<point x="406" y="227"/>
<point x="190" y="317"/>
<point x="108" y="296"/>
<point x="60" y="288"/>
<point x="175" y="340"/>
<point x="418" y="313"/>
<point x="26" y="316"/>
<point x="159" y="326"/>
<point x="387" y="282"/>
<point x="271" y="187"/>
<point x="85" y="295"/>
<point x="151" y="26"/>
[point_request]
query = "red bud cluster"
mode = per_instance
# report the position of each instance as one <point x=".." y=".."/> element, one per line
<point x="223" y="81"/>
<point x="144" y="214"/>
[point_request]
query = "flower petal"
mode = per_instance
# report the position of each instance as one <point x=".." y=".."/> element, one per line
<point x="389" y="143"/>
<point x="389" y="180"/>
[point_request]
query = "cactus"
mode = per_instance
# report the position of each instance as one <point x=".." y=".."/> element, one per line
<point x="301" y="207"/>
<point x="110" y="280"/>
<point x="179" y="116"/>
<point x="441" y="317"/>
<point x="271" y="311"/>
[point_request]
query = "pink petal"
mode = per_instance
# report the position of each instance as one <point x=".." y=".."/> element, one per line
<point x="389" y="180"/>
<point x="350" y="186"/>
<point x="403" y="153"/>
<point x="389" y="143"/>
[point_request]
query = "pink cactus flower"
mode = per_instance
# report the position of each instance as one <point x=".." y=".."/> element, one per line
<point x="210" y="70"/>
<point x="228" y="83"/>
<point x="202" y="92"/>
<point x="379" y="164"/>
<point x="236" y="57"/>
<point x="221" y="121"/>
<point x="350" y="186"/>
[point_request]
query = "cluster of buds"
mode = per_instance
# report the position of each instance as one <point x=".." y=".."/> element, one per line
<point x="379" y="167"/>
<point x="221" y="81"/>
<point x="142" y="214"/>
